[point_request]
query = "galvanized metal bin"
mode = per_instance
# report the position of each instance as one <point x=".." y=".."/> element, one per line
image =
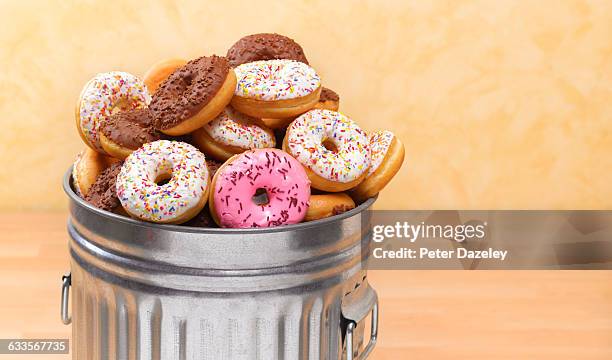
<point x="148" y="291"/>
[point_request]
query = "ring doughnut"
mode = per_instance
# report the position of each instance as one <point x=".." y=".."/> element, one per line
<point x="160" y="71"/>
<point x="387" y="158"/>
<point x="259" y="188"/>
<point x="126" y="131"/>
<point x="178" y="200"/>
<point x="329" y="100"/>
<point x="333" y="149"/>
<point x="193" y="95"/>
<point x="231" y="133"/>
<point x="203" y="219"/>
<point x="275" y="89"/>
<point x="212" y="166"/>
<point x="104" y="95"/>
<point x="264" y="47"/>
<point x="277" y="123"/>
<point x="326" y="205"/>
<point x="103" y="192"/>
<point x="87" y="166"/>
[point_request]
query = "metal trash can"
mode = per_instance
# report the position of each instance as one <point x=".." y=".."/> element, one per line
<point x="149" y="291"/>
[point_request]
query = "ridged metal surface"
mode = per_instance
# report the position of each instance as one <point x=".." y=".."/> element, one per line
<point x="112" y="322"/>
<point x="150" y="292"/>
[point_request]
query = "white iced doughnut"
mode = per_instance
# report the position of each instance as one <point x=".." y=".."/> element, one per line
<point x="380" y="142"/>
<point x="232" y="128"/>
<point x="330" y="170"/>
<point x="387" y="159"/>
<point x="177" y="201"/>
<point x="272" y="80"/>
<point x="104" y="95"/>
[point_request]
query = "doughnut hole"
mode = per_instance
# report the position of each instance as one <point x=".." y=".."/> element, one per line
<point x="260" y="197"/>
<point x="123" y="104"/>
<point x="330" y="145"/>
<point x="188" y="80"/>
<point x="163" y="179"/>
<point x="185" y="85"/>
<point x="164" y="173"/>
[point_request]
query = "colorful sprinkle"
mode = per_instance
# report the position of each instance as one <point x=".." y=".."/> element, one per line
<point x="141" y="196"/>
<point x="271" y="80"/>
<point x="308" y="132"/>
<point x="233" y="128"/>
<point x="106" y="94"/>
<point x="287" y="190"/>
<point x="380" y="142"/>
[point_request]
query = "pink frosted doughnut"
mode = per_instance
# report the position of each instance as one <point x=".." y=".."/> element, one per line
<point x="259" y="188"/>
<point x="103" y="96"/>
<point x="176" y="201"/>
<point x="333" y="148"/>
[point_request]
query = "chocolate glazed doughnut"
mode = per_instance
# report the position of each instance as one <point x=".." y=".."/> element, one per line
<point x="328" y="99"/>
<point x="160" y="71"/>
<point x="193" y="95"/>
<point x="126" y="131"/>
<point x="264" y="47"/>
<point x="102" y="193"/>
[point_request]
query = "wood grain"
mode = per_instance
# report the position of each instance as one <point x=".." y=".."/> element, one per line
<point x="424" y="314"/>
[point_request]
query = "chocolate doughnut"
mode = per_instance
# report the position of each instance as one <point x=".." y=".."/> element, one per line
<point x="193" y="95"/>
<point x="328" y="94"/>
<point x="264" y="47"/>
<point x="103" y="193"/>
<point x="202" y="220"/>
<point x="127" y="131"/>
<point x="160" y="71"/>
<point x="328" y="100"/>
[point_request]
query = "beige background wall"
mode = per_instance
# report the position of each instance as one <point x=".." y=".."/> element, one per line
<point x="501" y="104"/>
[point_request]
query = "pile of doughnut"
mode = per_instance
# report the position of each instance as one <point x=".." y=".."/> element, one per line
<point x="251" y="139"/>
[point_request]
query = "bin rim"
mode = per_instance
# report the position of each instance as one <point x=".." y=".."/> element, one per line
<point x="68" y="189"/>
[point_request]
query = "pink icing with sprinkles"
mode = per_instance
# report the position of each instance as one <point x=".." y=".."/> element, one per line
<point x="307" y="133"/>
<point x="283" y="179"/>
<point x="380" y="142"/>
<point x="106" y="94"/>
<point x="141" y="196"/>
<point x="233" y="128"/>
<point x="271" y="80"/>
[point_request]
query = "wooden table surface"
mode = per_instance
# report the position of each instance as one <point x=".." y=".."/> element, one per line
<point x="424" y="314"/>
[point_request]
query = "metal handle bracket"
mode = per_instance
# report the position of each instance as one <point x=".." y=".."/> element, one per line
<point x="66" y="283"/>
<point x="350" y="329"/>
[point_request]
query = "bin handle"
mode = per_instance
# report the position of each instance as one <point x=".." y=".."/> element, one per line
<point x="66" y="283"/>
<point x="373" y="336"/>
